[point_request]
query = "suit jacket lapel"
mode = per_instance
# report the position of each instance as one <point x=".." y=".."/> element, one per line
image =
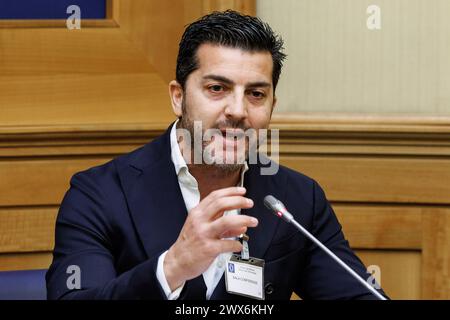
<point x="156" y="204"/>
<point x="154" y="196"/>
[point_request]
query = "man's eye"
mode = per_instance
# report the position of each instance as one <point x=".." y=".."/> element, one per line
<point x="257" y="94"/>
<point x="216" y="88"/>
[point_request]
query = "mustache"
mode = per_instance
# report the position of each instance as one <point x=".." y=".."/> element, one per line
<point x="231" y="125"/>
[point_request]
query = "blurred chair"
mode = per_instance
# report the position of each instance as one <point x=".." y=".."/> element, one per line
<point x="23" y="285"/>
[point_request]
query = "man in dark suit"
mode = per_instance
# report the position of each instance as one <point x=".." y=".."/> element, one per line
<point x="157" y="224"/>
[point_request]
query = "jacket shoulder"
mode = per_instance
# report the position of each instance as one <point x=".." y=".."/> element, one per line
<point x="138" y="158"/>
<point x="296" y="177"/>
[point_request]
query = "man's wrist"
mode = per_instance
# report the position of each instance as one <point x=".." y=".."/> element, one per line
<point x="172" y="271"/>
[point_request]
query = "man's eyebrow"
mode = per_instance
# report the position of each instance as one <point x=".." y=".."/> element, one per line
<point x="218" y="78"/>
<point x="231" y="82"/>
<point x="258" y="84"/>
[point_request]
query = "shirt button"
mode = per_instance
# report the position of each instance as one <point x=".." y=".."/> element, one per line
<point x="220" y="263"/>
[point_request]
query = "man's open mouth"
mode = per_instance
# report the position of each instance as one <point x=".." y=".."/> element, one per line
<point x="233" y="133"/>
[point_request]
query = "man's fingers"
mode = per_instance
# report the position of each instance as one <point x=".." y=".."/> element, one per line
<point x="234" y="233"/>
<point x="220" y="193"/>
<point x="229" y="246"/>
<point x="228" y="223"/>
<point x="216" y="208"/>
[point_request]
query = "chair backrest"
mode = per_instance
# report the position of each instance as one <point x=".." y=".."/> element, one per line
<point x="23" y="285"/>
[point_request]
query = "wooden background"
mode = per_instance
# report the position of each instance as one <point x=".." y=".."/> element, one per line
<point x="71" y="99"/>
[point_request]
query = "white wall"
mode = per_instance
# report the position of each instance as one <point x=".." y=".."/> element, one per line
<point x="336" y="64"/>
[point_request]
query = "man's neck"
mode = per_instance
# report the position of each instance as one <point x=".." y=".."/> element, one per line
<point x="210" y="178"/>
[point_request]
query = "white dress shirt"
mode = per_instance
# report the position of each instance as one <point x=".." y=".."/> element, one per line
<point x="191" y="196"/>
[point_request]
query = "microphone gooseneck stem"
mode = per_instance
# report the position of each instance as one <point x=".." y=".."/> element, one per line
<point x="278" y="208"/>
<point x="336" y="258"/>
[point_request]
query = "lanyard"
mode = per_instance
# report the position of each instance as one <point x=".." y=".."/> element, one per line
<point x="245" y="253"/>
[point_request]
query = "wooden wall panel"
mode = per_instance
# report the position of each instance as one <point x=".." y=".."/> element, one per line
<point x="38" y="182"/>
<point x="363" y="183"/>
<point x="83" y="99"/>
<point x="244" y="6"/>
<point x="27" y="229"/>
<point x="60" y="77"/>
<point x="156" y="37"/>
<point x="163" y="30"/>
<point x="25" y="261"/>
<point x="436" y="254"/>
<point x="381" y="227"/>
<point x="400" y="271"/>
<point x="377" y="179"/>
<point x="36" y="51"/>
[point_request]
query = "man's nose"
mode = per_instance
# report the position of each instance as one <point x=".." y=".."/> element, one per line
<point x="236" y="107"/>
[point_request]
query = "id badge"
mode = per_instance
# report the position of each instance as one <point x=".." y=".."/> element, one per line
<point x="245" y="277"/>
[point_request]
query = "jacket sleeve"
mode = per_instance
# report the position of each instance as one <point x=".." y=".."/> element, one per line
<point x="83" y="264"/>
<point x="322" y="277"/>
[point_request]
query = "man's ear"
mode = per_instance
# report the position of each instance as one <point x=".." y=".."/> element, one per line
<point x="176" y="97"/>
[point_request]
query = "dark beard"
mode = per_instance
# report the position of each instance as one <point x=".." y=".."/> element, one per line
<point x="186" y="123"/>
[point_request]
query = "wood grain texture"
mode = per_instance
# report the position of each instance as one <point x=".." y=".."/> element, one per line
<point x="381" y="227"/>
<point x="60" y="77"/>
<point x="154" y="32"/>
<point x="148" y="26"/>
<point x="436" y="254"/>
<point x="93" y="99"/>
<point x="27" y="229"/>
<point x="400" y="272"/>
<point x="25" y="261"/>
<point x="395" y="226"/>
<point x="344" y="179"/>
<point x="377" y="179"/>
<point x="31" y="228"/>
<point x="39" y="182"/>
<point x="243" y="6"/>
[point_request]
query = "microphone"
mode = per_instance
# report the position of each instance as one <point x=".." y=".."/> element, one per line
<point x="278" y="208"/>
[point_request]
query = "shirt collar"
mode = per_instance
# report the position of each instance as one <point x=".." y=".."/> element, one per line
<point x="177" y="157"/>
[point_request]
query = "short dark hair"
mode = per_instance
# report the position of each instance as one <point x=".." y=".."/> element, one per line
<point x="231" y="29"/>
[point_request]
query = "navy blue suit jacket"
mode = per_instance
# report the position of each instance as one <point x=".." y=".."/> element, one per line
<point x="117" y="218"/>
